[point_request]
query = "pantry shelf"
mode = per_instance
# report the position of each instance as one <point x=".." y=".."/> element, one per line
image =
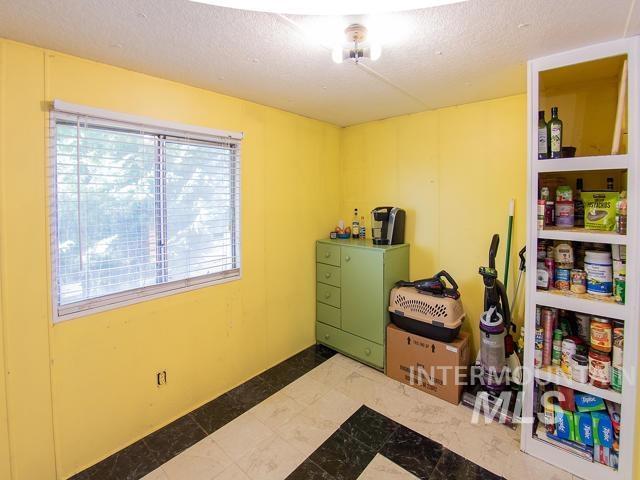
<point x="570" y="461"/>
<point x="553" y="374"/>
<point x="581" y="302"/>
<point x="582" y="235"/>
<point x="577" y="164"/>
<point x="590" y="175"/>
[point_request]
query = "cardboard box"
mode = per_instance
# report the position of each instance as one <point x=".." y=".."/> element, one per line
<point x="434" y="367"/>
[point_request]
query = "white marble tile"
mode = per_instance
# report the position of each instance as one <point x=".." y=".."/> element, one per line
<point x="277" y="409"/>
<point x="332" y="371"/>
<point x="157" y="474"/>
<point x="232" y="473"/>
<point x="521" y="466"/>
<point x="273" y="459"/>
<point x="306" y="390"/>
<point x="241" y="435"/>
<point x="202" y="461"/>
<point x="382" y="468"/>
<point x="333" y="406"/>
<point x="306" y="433"/>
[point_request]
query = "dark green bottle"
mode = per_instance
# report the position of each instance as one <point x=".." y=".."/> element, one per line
<point x="555" y="134"/>
<point x="543" y="137"/>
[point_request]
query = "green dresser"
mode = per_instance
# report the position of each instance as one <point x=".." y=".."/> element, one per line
<point x="353" y="281"/>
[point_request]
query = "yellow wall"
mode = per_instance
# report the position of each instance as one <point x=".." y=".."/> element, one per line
<point x="588" y="112"/>
<point x="90" y="383"/>
<point x="454" y="170"/>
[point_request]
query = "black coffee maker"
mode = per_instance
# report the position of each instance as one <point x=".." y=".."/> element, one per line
<point x="387" y="225"/>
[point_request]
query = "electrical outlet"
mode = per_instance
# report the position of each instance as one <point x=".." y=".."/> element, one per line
<point x="161" y="378"/>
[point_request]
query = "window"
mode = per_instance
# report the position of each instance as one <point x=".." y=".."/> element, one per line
<point x="139" y="210"/>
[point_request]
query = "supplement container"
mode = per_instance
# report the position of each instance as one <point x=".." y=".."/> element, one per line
<point x="599" y="268"/>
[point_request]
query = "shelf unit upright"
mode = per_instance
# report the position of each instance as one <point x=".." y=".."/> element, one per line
<point x="629" y="312"/>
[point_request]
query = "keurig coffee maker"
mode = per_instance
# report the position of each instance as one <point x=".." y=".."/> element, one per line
<point x="387" y="225"/>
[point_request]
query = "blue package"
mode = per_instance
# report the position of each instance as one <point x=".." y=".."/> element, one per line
<point x="589" y="403"/>
<point x="564" y="424"/>
<point x="584" y="428"/>
<point x="603" y="429"/>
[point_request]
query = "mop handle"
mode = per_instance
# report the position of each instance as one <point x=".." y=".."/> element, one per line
<point x="509" y="233"/>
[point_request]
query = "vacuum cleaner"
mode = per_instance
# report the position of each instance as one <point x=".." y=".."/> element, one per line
<point x="496" y="360"/>
<point x="435" y="285"/>
<point x="496" y="342"/>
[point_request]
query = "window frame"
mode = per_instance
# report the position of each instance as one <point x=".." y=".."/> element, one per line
<point x="171" y="131"/>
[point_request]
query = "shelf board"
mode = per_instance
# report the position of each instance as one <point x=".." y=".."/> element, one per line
<point x="582" y="302"/>
<point x="570" y="461"/>
<point x="582" y="235"/>
<point x="555" y="375"/>
<point x="601" y="162"/>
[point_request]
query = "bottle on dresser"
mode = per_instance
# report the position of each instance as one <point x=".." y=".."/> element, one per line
<point x="355" y="225"/>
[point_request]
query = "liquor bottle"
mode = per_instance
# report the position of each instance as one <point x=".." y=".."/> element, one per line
<point x="555" y="134"/>
<point x="610" y="183"/>
<point x="578" y="205"/>
<point x="363" y="229"/>
<point x="355" y="225"/>
<point x="543" y="138"/>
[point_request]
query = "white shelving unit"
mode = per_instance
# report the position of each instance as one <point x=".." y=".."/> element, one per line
<point x="585" y="303"/>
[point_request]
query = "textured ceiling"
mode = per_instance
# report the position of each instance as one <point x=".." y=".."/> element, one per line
<point x="441" y="56"/>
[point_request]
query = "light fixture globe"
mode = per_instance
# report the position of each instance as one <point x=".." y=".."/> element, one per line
<point x="356" y="35"/>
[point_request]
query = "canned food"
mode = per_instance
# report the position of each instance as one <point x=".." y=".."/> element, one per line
<point x="563" y="278"/>
<point x="599" y="369"/>
<point x="578" y="281"/>
<point x="601" y="334"/>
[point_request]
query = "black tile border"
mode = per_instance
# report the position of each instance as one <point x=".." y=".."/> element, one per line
<point x="350" y="449"/>
<point x="147" y="454"/>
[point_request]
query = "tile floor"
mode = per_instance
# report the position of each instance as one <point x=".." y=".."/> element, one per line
<point x="306" y="419"/>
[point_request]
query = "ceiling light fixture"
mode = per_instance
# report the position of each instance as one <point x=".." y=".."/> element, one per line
<point x="358" y="47"/>
<point x="329" y="7"/>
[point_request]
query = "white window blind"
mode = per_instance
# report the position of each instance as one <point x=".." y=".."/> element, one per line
<point x="139" y="210"/>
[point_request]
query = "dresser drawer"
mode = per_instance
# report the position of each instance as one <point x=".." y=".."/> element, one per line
<point x="351" y="345"/>
<point x="328" y="274"/>
<point x="329" y="254"/>
<point x="328" y="294"/>
<point x="328" y="314"/>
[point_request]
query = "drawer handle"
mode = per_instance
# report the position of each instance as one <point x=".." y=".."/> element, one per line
<point x="327" y="294"/>
<point x="367" y="351"/>
<point x="347" y="258"/>
<point x="326" y="336"/>
<point x="327" y="275"/>
<point x="327" y="254"/>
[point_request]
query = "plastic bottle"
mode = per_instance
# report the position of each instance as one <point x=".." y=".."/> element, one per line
<point x="363" y="228"/>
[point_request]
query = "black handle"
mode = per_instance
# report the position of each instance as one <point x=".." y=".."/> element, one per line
<point x="493" y="250"/>
<point x="445" y="274"/>
<point x="522" y="259"/>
